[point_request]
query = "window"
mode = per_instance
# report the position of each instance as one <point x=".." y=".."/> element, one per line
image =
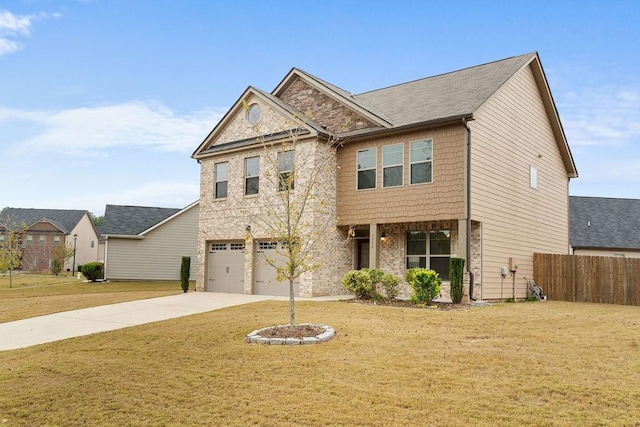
<point x="41" y="240"/>
<point x="286" y="178"/>
<point x="430" y="250"/>
<point x="29" y="239"/>
<point x="392" y="165"/>
<point x="1" y="238"/>
<point x="237" y="246"/>
<point x="367" y="161"/>
<point x="56" y="240"/>
<point x="92" y="243"/>
<point x="421" y="159"/>
<point x="222" y="179"/>
<point x="251" y="175"/>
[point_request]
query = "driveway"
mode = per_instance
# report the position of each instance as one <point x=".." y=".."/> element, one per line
<point x="69" y="324"/>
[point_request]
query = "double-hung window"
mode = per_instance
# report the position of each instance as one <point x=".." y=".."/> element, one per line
<point x="222" y="179"/>
<point x="421" y="160"/>
<point x="367" y="160"/>
<point x="286" y="163"/>
<point x="251" y="175"/>
<point x="392" y="165"/>
<point x="430" y="250"/>
<point x="56" y="240"/>
<point x="41" y="240"/>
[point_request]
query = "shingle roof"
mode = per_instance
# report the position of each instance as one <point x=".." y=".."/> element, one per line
<point x="452" y="94"/>
<point x="132" y="220"/>
<point x="599" y="222"/>
<point x="64" y="219"/>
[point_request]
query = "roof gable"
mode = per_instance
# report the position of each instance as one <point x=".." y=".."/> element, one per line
<point x="599" y="222"/>
<point x="63" y="219"/>
<point x="132" y="220"/>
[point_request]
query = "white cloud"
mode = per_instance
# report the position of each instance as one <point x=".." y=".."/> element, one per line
<point x="15" y="26"/>
<point x="90" y="131"/>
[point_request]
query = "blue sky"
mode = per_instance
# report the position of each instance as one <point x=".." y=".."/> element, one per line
<point x="104" y="101"/>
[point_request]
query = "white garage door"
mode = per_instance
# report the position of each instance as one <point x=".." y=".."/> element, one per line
<point x="265" y="273"/>
<point x="226" y="267"/>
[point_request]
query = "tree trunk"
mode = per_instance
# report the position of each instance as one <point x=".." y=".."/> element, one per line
<point x="292" y="312"/>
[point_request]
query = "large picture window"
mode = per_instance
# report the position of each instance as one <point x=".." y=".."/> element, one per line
<point x="251" y="175"/>
<point x="392" y="165"/>
<point x="421" y="160"/>
<point x="222" y="180"/>
<point x="367" y="160"/>
<point x="286" y="163"/>
<point x="430" y="250"/>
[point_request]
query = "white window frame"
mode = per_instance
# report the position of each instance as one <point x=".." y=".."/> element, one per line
<point x="416" y="162"/>
<point x="365" y="169"/>
<point x="247" y="177"/>
<point x="282" y="171"/>
<point x="427" y="255"/>
<point x="56" y="240"/>
<point x="220" y="181"/>
<point x="393" y="165"/>
<point x="533" y="177"/>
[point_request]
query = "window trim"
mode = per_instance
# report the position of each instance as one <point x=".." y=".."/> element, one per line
<point x="428" y="255"/>
<point x="247" y="177"/>
<point x="281" y="171"/>
<point x="216" y="181"/>
<point x="411" y="163"/>
<point x="375" y="169"/>
<point x="395" y="165"/>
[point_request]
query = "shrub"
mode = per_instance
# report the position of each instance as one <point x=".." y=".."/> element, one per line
<point x="184" y="273"/>
<point x="79" y="269"/>
<point x="456" y="274"/>
<point x="93" y="271"/>
<point x="390" y="284"/>
<point x="375" y="274"/>
<point x="56" y="267"/>
<point x="426" y="285"/>
<point x="359" y="283"/>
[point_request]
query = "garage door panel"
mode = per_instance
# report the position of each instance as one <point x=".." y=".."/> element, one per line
<point x="266" y="282"/>
<point x="226" y="267"/>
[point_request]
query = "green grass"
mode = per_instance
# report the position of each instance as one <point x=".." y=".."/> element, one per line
<point x="550" y="363"/>
<point x="45" y="294"/>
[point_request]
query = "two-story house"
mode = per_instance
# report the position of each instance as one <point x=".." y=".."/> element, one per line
<point x="473" y="164"/>
<point x="46" y="229"/>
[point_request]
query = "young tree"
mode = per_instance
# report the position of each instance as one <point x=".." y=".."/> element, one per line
<point x="11" y="247"/>
<point x="295" y="209"/>
<point x="61" y="254"/>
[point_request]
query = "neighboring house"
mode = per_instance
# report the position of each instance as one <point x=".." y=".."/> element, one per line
<point x="49" y="228"/>
<point x="603" y="226"/>
<point x="148" y="243"/>
<point x="473" y="164"/>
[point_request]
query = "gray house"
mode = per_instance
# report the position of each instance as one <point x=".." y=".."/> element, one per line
<point x="604" y="226"/>
<point x="148" y="243"/>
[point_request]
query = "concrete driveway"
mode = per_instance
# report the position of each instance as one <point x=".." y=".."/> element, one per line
<point x="69" y="324"/>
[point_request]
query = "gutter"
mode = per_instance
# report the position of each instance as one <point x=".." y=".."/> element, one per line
<point x="468" y="197"/>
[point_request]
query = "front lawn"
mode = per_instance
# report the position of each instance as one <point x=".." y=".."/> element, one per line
<point x="544" y="363"/>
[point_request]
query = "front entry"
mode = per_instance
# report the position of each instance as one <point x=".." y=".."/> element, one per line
<point x="363" y="254"/>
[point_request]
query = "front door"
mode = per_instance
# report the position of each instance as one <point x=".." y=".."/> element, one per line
<point x="363" y="254"/>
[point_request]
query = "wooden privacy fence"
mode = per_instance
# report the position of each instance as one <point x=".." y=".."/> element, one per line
<point x="581" y="278"/>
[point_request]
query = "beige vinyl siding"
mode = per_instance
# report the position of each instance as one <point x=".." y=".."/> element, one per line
<point x="512" y="132"/>
<point x="442" y="199"/>
<point x="627" y="253"/>
<point x="159" y="254"/>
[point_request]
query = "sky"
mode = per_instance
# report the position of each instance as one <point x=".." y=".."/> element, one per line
<point x="104" y="101"/>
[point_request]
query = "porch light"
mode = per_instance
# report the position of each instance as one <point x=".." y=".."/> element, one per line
<point x="383" y="237"/>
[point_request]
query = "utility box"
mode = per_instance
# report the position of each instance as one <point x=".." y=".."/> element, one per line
<point x="513" y="264"/>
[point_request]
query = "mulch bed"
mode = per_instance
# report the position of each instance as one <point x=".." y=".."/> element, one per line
<point x="299" y="331"/>
<point x="443" y="306"/>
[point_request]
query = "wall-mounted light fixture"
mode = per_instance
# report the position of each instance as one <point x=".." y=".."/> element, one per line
<point x="352" y="232"/>
<point x="383" y="237"/>
<point x="248" y="229"/>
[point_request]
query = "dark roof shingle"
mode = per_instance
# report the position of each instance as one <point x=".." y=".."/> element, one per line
<point x="64" y="219"/>
<point x="132" y="220"/>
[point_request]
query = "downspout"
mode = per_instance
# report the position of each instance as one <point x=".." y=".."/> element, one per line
<point x="468" y="197"/>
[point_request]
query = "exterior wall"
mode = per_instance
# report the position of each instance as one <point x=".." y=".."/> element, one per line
<point x="510" y="133"/>
<point x="38" y="255"/>
<point x="323" y="109"/>
<point x="158" y="255"/>
<point x="626" y="253"/>
<point x="227" y="219"/>
<point x="86" y="242"/>
<point x="443" y="199"/>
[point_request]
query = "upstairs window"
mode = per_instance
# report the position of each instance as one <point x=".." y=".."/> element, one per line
<point x="222" y="179"/>
<point x="367" y="160"/>
<point x="56" y="240"/>
<point x="286" y="163"/>
<point x="251" y="175"/>
<point x="421" y="160"/>
<point x="29" y="239"/>
<point x="392" y="165"/>
<point x="41" y="240"/>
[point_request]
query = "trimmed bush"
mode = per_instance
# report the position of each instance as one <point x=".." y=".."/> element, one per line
<point x="184" y="273"/>
<point x="390" y="284"/>
<point x="359" y="283"/>
<point x="56" y="267"/>
<point x="456" y="275"/>
<point x="93" y="271"/>
<point x="426" y="285"/>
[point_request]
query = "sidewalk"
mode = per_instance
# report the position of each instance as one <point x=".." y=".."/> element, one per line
<point x="69" y="324"/>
